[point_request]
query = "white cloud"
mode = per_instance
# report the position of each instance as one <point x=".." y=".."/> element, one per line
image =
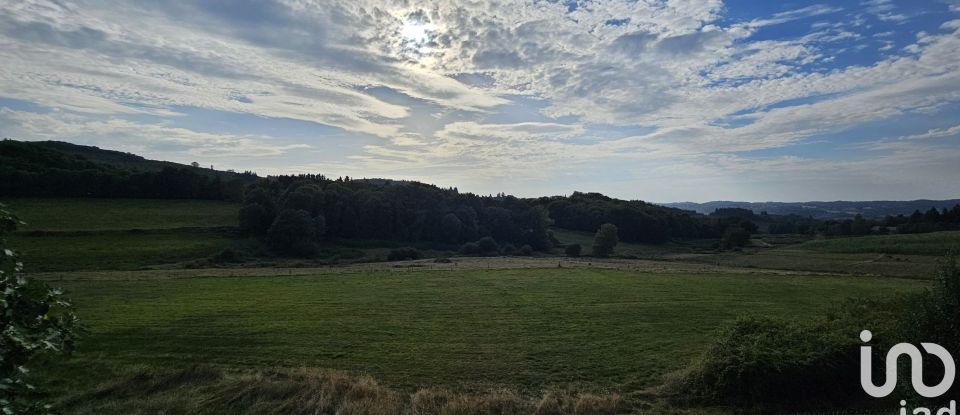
<point x="141" y="138"/>
<point x="701" y="83"/>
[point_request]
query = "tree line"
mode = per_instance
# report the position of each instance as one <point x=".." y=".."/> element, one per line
<point x="636" y="221"/>
<point x="293" y="213"/>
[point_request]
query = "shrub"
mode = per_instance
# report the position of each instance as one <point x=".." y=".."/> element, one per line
<point x="761" y="362"/>
<point x="405" y="253"/>
<point x="469" y="248"/>
<point x="526" y="250"/>
<point x="605" y="240"/>
<point x="509" y="249"/>
<point x="934" y="317"/>
<point x="572" y="250"/>
<point x="487" y="246"/>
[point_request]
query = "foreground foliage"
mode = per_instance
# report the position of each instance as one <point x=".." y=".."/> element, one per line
<point x="34" y="319"/>
<point x="760" y="362"/>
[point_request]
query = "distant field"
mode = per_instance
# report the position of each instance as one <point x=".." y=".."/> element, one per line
<point x="115" y="250"/>
<point x="61" y="214"/>
<point x="937" y="243"/>
<point x="585" y="239"/>
<point x="516" y="327"/>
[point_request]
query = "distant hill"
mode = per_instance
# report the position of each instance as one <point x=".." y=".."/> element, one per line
<point x="60" y="169"/>
<point x="824" y="210"/>
<point x="118" y="159"/>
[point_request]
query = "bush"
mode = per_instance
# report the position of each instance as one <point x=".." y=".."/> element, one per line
<point x="526" y="250"/>
<point x="605" y="240"/>
<point x="509" y="249"/>
<point x="469" y="248"/>
<point x="935" y="318"/>
<point x="775" y="364"/>
<point x="487" y="246"/>
<point x="405" y="253"/>
<point x="781" y="365"/>
<point x="572" y="250"/>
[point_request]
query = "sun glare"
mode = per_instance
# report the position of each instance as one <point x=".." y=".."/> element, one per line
<point x="416" y="34"/>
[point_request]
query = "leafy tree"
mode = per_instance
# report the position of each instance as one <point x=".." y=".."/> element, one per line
<point x="572" y="250"/>
<point x="487" y="246"/>
<point x="320" y="226"/>
<point x="255" y="219"/>
<point x="36" y="319"/>
<point x="526" y="250"/>
<point x="605" y="240"/>
<point x="508" y="249"/>
<point x="293" y="232"/>
<point x="451" y="227"/>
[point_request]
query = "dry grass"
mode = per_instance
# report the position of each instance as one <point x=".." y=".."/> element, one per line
<point x="206" y="390"/>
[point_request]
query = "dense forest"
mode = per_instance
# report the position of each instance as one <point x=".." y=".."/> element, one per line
<point x="636" y="221"/>
<point x="293" y="211"/>
<point x="55" y="169"/>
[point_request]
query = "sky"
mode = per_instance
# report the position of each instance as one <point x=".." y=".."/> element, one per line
<point x="654" y="100"/>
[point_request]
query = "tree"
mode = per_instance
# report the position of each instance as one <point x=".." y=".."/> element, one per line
<point x="293" y="232"/>
<point x="320" y="226"/>
<point x="254" y="219"/>
<point x="605" y="240"/>
<point x="36" y="320"/>
<point x="450" y="227"/>
<point x="572" y="250"/>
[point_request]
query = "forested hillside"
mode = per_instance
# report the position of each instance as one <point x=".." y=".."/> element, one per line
<point x="51" y="168"/>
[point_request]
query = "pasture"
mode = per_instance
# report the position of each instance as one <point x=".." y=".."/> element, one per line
<point x="516" y="328"/>
<point x="71" y="214"/>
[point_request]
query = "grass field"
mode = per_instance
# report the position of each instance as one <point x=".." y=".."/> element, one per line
<point x="119" y="234"/>
<point x="932" y="244"/>
<point x="519" y="328"/>
<point x="116" y="250"/>
<point x="118" y="214"/>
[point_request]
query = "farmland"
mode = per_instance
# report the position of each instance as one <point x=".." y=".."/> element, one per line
<point x="523" y="325"/>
